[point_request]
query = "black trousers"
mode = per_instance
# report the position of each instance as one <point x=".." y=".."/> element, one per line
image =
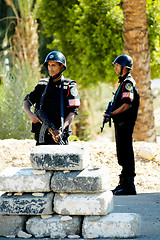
<point x="124" y="147"/>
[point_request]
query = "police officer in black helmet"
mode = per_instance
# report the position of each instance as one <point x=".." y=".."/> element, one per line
<point x="124" y="115"/>
<point x="57" y="96"/>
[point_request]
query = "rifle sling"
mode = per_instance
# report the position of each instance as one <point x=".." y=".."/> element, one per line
<point x="43" y="95"/>
<point x="62" y="104"/>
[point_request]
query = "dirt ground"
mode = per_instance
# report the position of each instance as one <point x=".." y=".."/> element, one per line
<point x="16" y="153"/>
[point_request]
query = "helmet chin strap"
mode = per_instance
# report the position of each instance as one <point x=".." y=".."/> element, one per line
<point x="121" y="70"/>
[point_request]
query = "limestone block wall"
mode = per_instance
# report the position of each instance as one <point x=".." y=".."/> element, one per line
<point x="61" y="196"/>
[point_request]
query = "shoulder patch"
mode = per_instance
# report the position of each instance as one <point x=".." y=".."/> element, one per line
<point x="74" y="91"/>
<point x="43" y="81"/>
<point x="129" y="86"/>
<point x="130" y="79"/>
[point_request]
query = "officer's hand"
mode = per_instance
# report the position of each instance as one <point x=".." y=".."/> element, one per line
<point x="33" y="117"/>
<point x="58" y="134"/>
<point x="106" y="117"/>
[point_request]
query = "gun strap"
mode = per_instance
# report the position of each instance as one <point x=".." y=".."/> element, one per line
<point x="43" y="95"/>
<point x="62" y="104"/>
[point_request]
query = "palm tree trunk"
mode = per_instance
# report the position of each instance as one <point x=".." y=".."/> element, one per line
<point x="135" y="36"/>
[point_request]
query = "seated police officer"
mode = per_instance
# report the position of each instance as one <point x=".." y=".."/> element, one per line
<point x="124" y="115"/>
<point x="58" y="97"/>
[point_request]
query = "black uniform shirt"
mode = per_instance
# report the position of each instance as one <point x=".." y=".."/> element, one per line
<point x="51" y="101"/>
<point x="127" y="94"/>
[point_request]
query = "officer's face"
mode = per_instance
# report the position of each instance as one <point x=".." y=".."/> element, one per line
<point x="54" y="68"/>
<point x="117" y="69"/>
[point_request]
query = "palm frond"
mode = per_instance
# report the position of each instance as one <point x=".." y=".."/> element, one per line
<point x="11" y="4"/>
<point x="24" y="42"/>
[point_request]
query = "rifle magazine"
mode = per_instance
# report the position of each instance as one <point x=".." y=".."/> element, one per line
<point x="42" y="133"/>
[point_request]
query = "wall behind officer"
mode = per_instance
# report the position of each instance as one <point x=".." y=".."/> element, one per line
<point x="124" y="115"/>
<point x="50" y="103"/>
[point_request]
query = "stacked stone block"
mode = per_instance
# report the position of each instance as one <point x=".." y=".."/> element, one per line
<point x="61" y="196"/>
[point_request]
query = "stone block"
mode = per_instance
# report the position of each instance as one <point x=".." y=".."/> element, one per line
<point x="11" y="225"/>
<point x="26" y="204"/>
<point x="23" y="180"/>
<point x="54" y="227"/>
<point x="86" y="181"/>
<point x="113" y="225"/>
<point x="84" y="204"/>
<point x="59" y="157"/>
<point x="22" y="234"/>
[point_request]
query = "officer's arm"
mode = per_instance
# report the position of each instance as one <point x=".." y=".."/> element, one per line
<point x="69" y="119"/>
<point x="121" y="109"/>
<point x="32" y="116"/>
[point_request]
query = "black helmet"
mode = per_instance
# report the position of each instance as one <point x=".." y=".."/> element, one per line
<point x="57" y="57"/>
<point x="124" y="61"/>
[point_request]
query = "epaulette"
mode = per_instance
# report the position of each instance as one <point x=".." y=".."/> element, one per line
<point x="68" y="82"/>
<point x="43" y="81"/>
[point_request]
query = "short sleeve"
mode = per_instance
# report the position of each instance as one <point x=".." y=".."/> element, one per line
<point x="127" y="92"/>
<point x="72" y="98"/>
<point x="73" y="95"/>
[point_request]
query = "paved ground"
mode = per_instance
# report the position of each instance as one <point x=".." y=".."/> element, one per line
<point x="147" y="205"/>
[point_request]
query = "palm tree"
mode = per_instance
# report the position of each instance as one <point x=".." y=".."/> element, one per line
<point x="135" y="36"/>
<point x="24" y="42"/>
<point x="21" y="51"/>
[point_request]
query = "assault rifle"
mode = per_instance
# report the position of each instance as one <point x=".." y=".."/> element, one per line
<point x="110" y="108"/>
<point x="46" y="125"/>
<point x="108" y="116"/>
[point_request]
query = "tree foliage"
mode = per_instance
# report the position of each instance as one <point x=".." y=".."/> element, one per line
<point x="88" y="33"/>
<point x="153" y="12"/>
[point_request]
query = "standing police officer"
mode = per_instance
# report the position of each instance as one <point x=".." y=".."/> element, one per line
<point x="58" y="97"/>
<point x="124" y="115"/>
